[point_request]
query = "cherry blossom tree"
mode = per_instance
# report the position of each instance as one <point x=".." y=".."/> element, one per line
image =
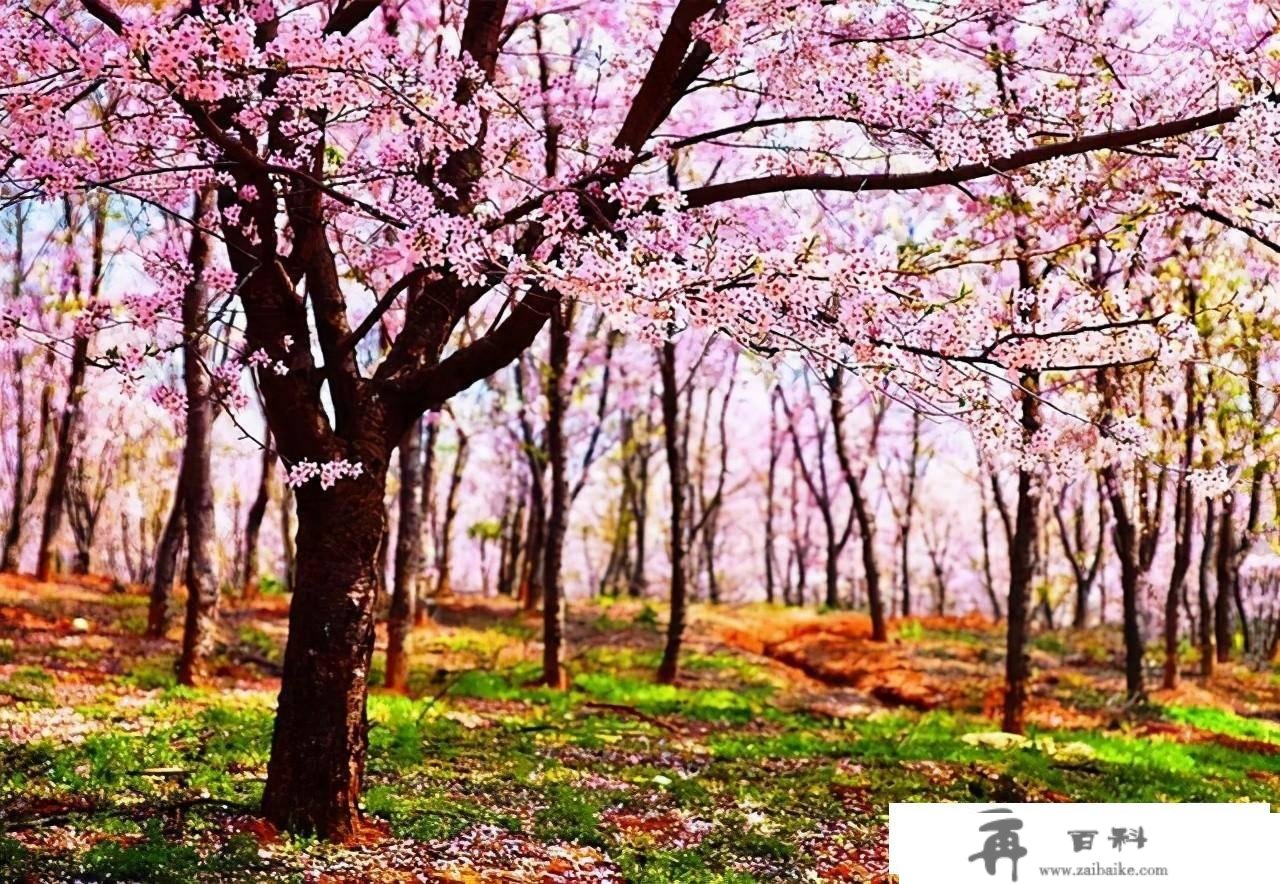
<point x="459" y="173"/>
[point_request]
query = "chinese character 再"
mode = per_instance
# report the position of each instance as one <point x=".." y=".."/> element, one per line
<point x="1122" y="836"/>
<point x="1082" y="839"/>
<point x="1002" y="843"/>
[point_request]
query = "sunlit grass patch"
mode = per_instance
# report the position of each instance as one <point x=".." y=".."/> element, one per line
<point x="28" y="684"/>
<point x="1223" y="722"/>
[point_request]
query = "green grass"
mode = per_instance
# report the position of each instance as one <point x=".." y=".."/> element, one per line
<point x="28" y="685"/>
<point x="1223" y="722"/>
<point x="755" y="787"/>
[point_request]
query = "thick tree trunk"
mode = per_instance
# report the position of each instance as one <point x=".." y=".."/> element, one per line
<point x="557" y="515"/>
<point x="669" y="668"/>
<point x="166" y="566"/>
<point x="199" y="631"/>
<point x="408" y="564"/>
<point x="321" y="731"/>
<point x="1021" y="570"/>
<point x="253" y="524"/>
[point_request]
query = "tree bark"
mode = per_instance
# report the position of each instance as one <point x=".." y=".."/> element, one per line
<point x="426" y="517"/>
<point x="200" y="629"/>
<point x="639" y="581"/>
<point x="166" y="566"/>
<point x="444" y="550"/>
<point x="55" y="500"/>
<point x="287" y="542"/>
<point x="669" y="668"/>
<point x="984" y="533"/>
<point x="866" y="526"/>
<point x="1126" y="541"/>
<point x="1183" y="520"/>
<point x="1021" y="570"/>
<point x="1208" y="656"/>
<point x="21" y="496"/>
<point x="1183" y="517"/>
<point x="408" y="564"/>
<point x="321" y="733"/>
<point x="557" y="514"/>
<point x="775" y="452"/>
<point x="253" y="523"/>
<point x="1222" y="631"/>
<point x="908" y="515"/>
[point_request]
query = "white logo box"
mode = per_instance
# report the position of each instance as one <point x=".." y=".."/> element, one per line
<point x="1171" y="843"/>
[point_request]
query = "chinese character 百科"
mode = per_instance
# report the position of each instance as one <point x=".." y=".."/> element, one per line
<point x="1002" y="843"/>
<point x="1120" y="837"/>
<point x="1082" y="839"/>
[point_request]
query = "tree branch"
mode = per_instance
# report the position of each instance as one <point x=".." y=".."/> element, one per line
<point x="711" y="194"/>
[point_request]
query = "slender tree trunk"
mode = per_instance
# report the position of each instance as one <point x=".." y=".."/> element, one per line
<point x="55" y="500"/>
<point x="866" y="526"/>
<point x="253" y="524"/>
<point x="444" y="552"/>
<point x="775" y="452"/>
<point x="1183" y="517"/>
<point x="909" y="508"/>
<point x="1021" y="570"/>
<point x="552" y="591"/>
<point x="200" y="628"/>
<point x="408" y="560"/>
<point x="17" y="511"/>
<point x="1222" y="632"/>
<point x="984" y="530"/>
<point x="1208" y="656"/>
<point x="13" y="534"/>
<point x="512" y="533"/>
<point x="426" y="517"/>
<point x="640" y="503"/>
<point x="870" y="568"/>
<point x="289" y="548"/>
<point x="166" y="566"/>
<point x="1126" y="541"/>
<point x="1183" y="520"/>
<point x="533" y="571"/>
<point x="669" y="667"/>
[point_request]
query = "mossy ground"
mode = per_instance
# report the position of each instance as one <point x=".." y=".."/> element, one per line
<point x="749" y="770"/>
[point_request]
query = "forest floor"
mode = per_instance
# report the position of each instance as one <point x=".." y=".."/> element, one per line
<point x="774" y="759"/>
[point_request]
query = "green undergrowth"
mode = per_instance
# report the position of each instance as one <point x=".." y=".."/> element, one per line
<point x="714" y="780"/>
